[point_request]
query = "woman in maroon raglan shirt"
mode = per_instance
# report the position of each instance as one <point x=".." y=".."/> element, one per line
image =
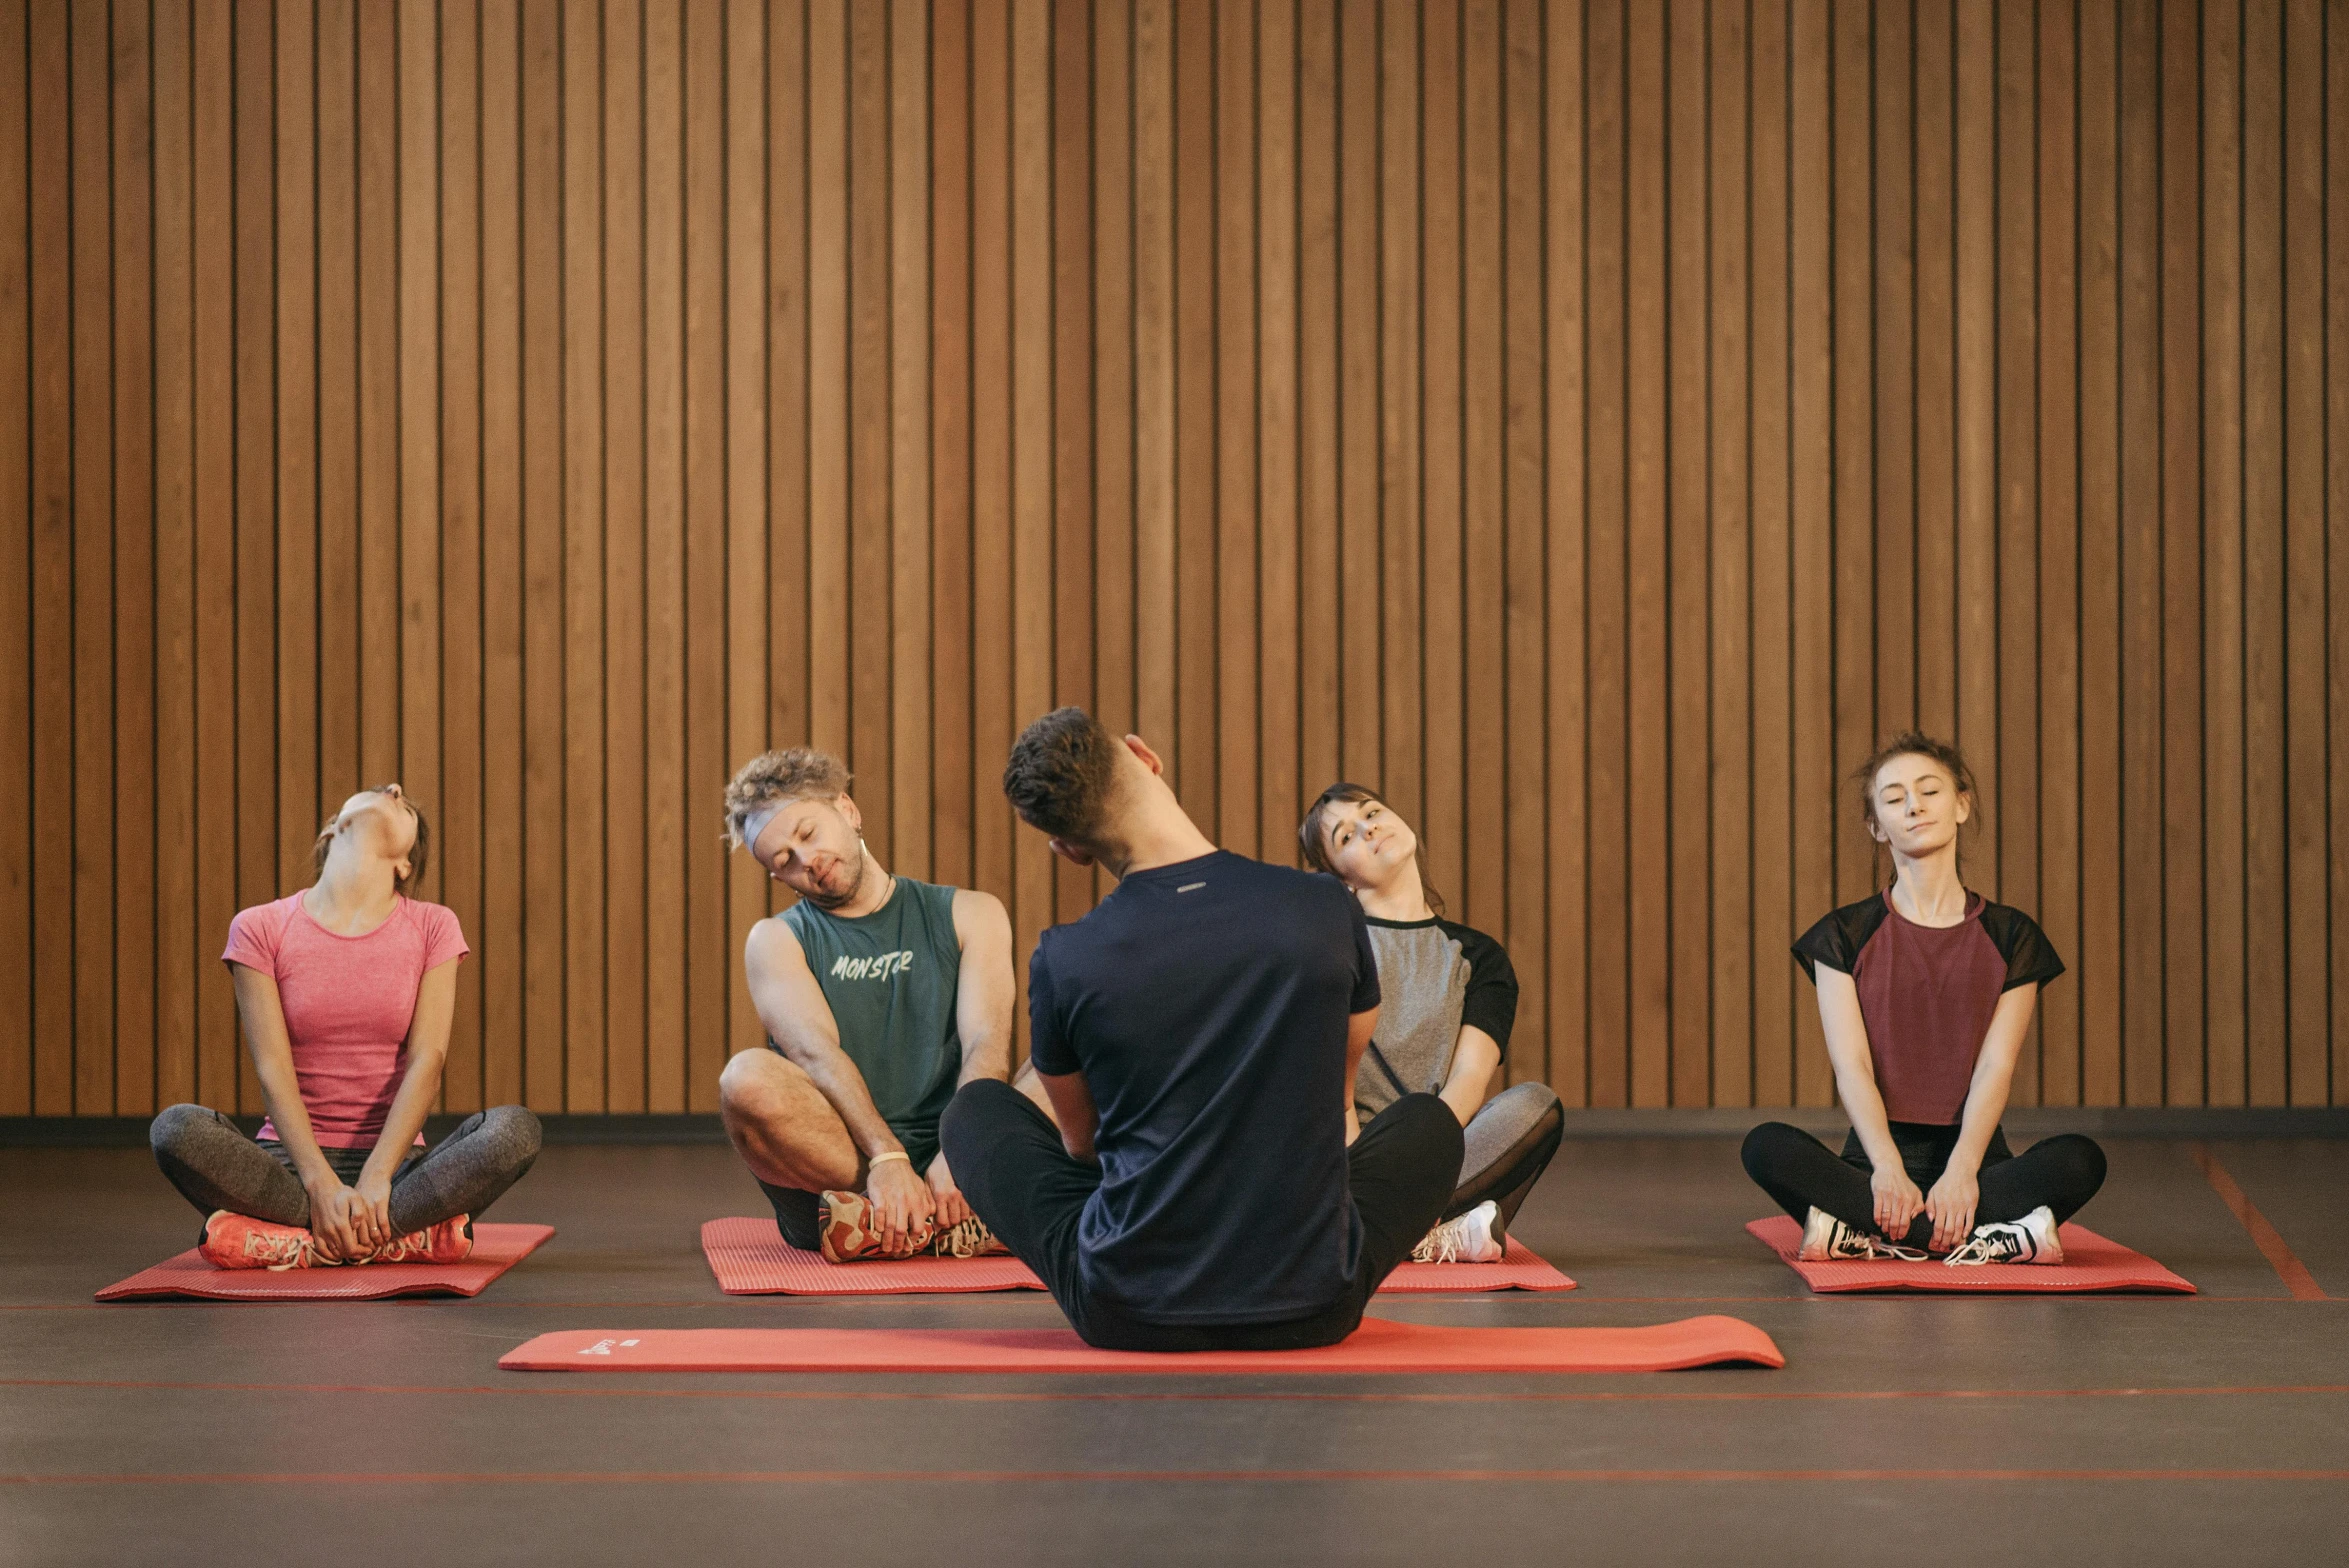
<point x="1925" y="993"/>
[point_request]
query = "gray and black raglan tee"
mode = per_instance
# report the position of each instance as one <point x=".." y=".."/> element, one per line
<point x="1434" y="975"/>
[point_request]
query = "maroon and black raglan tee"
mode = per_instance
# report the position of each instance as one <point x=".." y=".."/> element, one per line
<point x="1927" y="993"/>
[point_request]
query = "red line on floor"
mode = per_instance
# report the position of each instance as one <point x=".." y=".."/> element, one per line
<point x="2270" y="1242"/>
<point x="1616" y="1396"/>
<point x="997" y="1477"/>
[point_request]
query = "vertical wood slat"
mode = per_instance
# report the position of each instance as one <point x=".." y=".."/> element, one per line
<point x="131" y="386"/>
<point x="2056" y="498"/>
<point x="178" y="967"/>
<point x="2307" y="915"/>
<point x="709" y="948"/>
<point x="1279" y="687"/>
<point x="1647" y="566"/>
<point x="1566" y="527"/>
<point x="2100" y="968"/>
<point x="2220" y="439"/>
<point x="668" y="823"/>
<point x="748" y="614"/>
<point x="2014" y="765"/>
<point x="954" y="790"/>
<point x="1728" y="945"/>
<point x="17" y="527"/>
<point x="1811" y="671"/>
<point x="1608" y="1034"/>
<point x="1689" y="546"/>
<point x="1070" y="476"/>
<point x="212" y="159"/>
<point x="1770" y="635"/>
<point x="622" y="451"/>
<point x="579" y="592"/>
<point x="546" y="1068"/>
<point x="2182" y="326"/>
<point x="458" y="318"/>
<point x="502" y="962"/>
<point x="1437" y="740"/>
<point x="1517" y="707"/>
<point x="254" y="447"/>
<point x="1593" y="428"/>
<point x="2264" y="887"/>
<point x="91" y="556"/>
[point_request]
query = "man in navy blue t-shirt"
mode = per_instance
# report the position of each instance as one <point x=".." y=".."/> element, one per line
<point x="1198" y="1035"/>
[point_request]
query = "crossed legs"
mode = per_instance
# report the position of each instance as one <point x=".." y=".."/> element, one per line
<point x="215" y="1166"/>
<point x="794" y="1141"/>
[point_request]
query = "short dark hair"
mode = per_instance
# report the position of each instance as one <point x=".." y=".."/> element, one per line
<point x="1059" y="774"/>
<point x="1313" y="839"/>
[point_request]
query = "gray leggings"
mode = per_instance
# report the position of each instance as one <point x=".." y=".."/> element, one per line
<point x="214" y="1166"/>
<point x="1510" y="1142"/>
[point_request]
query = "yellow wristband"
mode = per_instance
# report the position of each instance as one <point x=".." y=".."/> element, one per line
<point x="893" y="1154"/>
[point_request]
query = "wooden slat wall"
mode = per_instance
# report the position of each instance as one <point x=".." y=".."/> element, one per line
<point x="1594" y="424"/>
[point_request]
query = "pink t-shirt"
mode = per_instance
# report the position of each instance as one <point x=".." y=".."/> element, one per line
<point x="347" y="1001"/>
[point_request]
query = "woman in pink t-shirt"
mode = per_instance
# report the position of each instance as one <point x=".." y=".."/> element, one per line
<point x="345" y="991"/>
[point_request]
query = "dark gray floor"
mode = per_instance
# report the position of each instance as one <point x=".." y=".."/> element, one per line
<point x="1911" y="1430"/>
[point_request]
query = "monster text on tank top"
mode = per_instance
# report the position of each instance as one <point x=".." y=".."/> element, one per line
<point x="890" y="977"/>
<point x="1434" y="975"/>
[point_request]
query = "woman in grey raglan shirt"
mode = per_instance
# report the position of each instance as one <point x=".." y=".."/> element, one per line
<point x="1448" y="1001"/>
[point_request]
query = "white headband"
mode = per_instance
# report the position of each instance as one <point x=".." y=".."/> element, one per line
<point x="756" y="824"/>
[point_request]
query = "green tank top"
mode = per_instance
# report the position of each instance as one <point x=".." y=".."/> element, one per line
<point x="890" y="977"/>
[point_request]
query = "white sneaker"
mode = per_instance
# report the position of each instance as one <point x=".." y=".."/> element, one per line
<point x="2031" y="1239"/>
<point x="1827" y="1239"/>
<point x="1474" y="1237"/>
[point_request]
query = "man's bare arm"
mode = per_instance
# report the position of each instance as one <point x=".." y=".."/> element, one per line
<point x="797" y="1018"/>
<point x="984" y="990"/>
<point x="1073" y="1109"/>
<point x="1359" y="1028"/>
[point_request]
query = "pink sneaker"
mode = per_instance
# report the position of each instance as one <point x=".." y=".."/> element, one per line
<point x="238" y="1241"/>
<point x="446" y="1242"/>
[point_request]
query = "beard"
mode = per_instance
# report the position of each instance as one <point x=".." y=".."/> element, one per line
<point x="856" y="879"/>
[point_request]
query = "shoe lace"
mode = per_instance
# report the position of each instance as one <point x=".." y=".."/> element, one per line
<point x="1988" y="1244"/>
<point x="1858" y="1244"/>
<point x="1443" y="1244"/>
<point x="963" y="1239"/>
<point x="280" y="1250"/>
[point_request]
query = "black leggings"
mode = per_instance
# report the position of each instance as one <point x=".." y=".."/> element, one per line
<point x="214" y="1166"/>
<point x="2060" y="1173"/>
<point x="1020" y="1180"/>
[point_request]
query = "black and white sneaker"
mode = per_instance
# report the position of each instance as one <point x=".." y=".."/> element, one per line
<point x="1827" y="1239"/>
<point x="2031" y="1239"/>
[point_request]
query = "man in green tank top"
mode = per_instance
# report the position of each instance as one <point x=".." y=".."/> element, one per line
<point x="881" y="996"/>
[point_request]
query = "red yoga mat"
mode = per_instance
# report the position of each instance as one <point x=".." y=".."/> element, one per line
<point x="1377" y="1346"/>
<point x="2091" y="1262"/>
<point x="496" y="1248"/>
<point x="750" y="1258"/>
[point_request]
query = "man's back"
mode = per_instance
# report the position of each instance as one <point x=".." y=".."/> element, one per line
<point x="1206" y="1004"/>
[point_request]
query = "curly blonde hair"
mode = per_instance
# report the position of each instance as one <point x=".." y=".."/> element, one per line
<point x="771" y="777"/>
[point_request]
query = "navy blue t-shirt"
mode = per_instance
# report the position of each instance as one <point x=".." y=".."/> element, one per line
<point x="1206" y="1004"/>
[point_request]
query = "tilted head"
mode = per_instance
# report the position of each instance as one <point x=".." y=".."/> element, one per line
<point x="1915" y="794"/>
<point x="1063" y="779"/>
<point x="792" y="811"/>
<point x="378" y="824"/>
<point x="1352" y="833"/>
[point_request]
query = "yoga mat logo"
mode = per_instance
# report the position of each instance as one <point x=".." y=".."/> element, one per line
<point x="603" y="1347"/>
